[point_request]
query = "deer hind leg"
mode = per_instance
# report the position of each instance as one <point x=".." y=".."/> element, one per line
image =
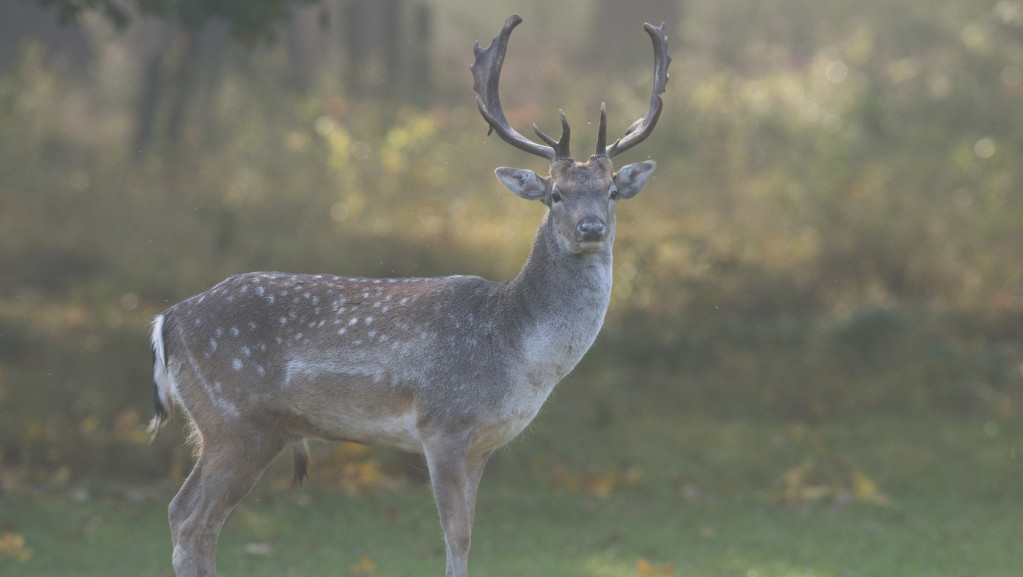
<point x="227" y="469"/>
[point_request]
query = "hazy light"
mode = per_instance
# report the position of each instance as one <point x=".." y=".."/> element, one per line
<point x="984" y="148"/>
<point x="339" y="211"/>
<point x="129" y="302"/>
<point x="323" y="125"/>
<point x="836" y="71"/>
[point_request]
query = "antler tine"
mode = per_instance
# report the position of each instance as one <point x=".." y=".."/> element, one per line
<point x="486" y="73"/>
<point x="602" y="132"/>
<point x="561" y="147"/>
<point x="644" y="126"/>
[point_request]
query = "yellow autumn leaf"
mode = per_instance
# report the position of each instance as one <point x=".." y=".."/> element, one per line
<point x="13" y="545"/>
<point x="865" y="489"/>
<point x="365" y="566"/>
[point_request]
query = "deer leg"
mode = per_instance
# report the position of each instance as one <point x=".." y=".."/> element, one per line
<point x="225" y="473"/>
<point x="449" y="476"/>
<point x="182" y="523"/>
<point x="474" y="469"/>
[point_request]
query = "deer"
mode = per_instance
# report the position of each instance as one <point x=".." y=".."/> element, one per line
<point x="449" y="367"/>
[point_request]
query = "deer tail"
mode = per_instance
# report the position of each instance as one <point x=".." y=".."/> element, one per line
<point x="162" y="403"/>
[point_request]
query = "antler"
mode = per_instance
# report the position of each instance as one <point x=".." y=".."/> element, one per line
<point x="486" y="74"/>
<point x="644" y="126"/>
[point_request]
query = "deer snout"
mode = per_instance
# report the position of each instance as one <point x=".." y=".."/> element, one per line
<point x="590" y="229"/>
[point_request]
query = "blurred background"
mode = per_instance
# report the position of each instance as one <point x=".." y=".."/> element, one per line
<point x="834" y="230"/>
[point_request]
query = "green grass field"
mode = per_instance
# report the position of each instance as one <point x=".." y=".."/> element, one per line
<point x="634" y="491"/>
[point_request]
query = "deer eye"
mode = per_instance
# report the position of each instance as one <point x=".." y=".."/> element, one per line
<point x="555" y="197"/>
<point x="614" y="193"/>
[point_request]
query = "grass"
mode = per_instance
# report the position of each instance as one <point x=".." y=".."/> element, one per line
<point x="636" y="490"/>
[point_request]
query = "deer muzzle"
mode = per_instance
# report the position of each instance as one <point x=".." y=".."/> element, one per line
<point x="590" y="229"/>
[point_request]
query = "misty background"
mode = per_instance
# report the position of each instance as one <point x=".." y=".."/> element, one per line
<point x="834" y="230"/>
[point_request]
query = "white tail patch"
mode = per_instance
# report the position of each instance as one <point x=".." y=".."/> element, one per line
<point x="160" y="378"/>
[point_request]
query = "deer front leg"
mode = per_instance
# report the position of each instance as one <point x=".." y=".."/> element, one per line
<point x="474" y="470"/>
<point x="446" y="460"/>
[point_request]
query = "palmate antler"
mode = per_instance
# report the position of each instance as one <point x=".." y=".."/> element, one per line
<point x="486" y="73"/>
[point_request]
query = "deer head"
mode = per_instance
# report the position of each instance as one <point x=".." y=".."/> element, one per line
<point x="580" y="196"/>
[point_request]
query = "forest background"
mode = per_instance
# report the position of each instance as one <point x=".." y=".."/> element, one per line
<point x="834" y="232"/>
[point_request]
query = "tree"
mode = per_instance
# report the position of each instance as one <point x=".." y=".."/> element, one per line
<point x="250" y="21"/>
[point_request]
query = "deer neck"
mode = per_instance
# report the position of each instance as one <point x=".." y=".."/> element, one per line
<point x="560" y="301"/>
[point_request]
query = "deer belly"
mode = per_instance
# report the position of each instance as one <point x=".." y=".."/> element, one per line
<point x="354" y="408"/>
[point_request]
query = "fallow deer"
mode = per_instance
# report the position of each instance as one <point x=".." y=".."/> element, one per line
<point x="450" y="367"/>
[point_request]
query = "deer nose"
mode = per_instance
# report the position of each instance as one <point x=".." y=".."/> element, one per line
<point x="590" y="229"/>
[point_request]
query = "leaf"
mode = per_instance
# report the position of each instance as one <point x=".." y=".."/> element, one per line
<point x="865" y="489"/>
<point x="645" y="568"/>
<point x="365" y="566"/>
<point x="13" y="545"/>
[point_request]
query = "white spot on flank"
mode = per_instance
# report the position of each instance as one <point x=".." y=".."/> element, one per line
<point x="270" y="298"/>
<point x="213" y="345"/>
<point x="224" y="405"/>
<point x="298" y="336"/>
<point x="403" y="300"/>
<point x="234" y="331"/>
<point x="342" y="331"/>
<point x="353" y="321"/>
<point x="283" y="321"/>
<point x="260" y="370"/>
<point x="246" y="351"/>
<point x="236" y="364"/>
<point x="260" y="290"/>
<point x="219" y="332"/>
<point x="369" y="320"/>
<point x="252" y="326"/>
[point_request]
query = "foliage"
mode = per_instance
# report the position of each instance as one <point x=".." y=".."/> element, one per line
<point x="833" y="229"/>
<point x="250" y="21"/>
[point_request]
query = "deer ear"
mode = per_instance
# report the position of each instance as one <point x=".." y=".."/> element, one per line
<point x="523" y="182"/>
<point x="630" y="178"/>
